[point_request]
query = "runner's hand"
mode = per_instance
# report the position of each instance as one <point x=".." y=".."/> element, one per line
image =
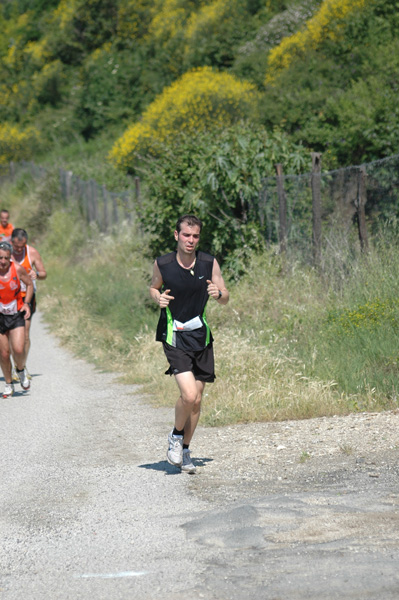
<point x="213" y="289"/>
<point x="164" y="299"/>
<point x="26" y="309"/>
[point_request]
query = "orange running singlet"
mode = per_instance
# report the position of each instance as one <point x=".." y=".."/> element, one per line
<point x="5" y="232"/>
<point x="26" y="262"/>
<point x="10" y="293"/>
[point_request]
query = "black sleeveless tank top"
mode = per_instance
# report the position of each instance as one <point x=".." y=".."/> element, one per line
<point x="189" y="288"/>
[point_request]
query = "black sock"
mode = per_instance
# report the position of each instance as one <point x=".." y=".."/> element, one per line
<point x="177" y="432"/>
<point x="185" y="446"/>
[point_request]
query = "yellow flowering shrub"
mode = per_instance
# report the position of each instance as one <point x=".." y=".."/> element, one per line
<point x="62" y="16"/>
<point x="14" y="99"/>
<point x="325" y="24"/>
<point x="201" y="99"/>
<point x="36" y="52"/>
<point x="208" y="16"/>
<point x="169" y="17"/>
<point x="369" y="316"/>
<point x="16" y="143"/>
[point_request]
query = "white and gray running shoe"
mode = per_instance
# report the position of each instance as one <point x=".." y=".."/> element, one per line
<point x="23" y="379"/>
<point x="175" y="449"/>
<point x="187" y="464"/>
<point x="8" y="390"/>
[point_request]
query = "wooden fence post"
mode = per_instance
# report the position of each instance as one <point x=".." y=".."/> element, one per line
<point x="282" y="209"/>
<point x="137" y="194"/>
<point x="114" y="210"/>
<point x="85" y="195"/>
<point x="316" y="206"/>
<point x="93" y="199"/>
<point x="106" y="215"/>
<point x="63" y="185"/>
<point x="360" y="207"/>
<point x="137" y="189"/>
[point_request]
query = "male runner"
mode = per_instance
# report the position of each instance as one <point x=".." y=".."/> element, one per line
<point x="13" y="312"/>
<point x="5" y="227"/>
<point x="29" y="258"/>
<point x="181" y="284"/>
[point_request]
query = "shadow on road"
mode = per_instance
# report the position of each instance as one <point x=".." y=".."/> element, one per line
<point x="169" y="469"/>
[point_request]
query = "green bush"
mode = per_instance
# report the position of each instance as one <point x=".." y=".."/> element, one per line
<point x="331" y="99"/>
<point x="213" y="34"/>
<point x="109" y="90"/>
<point x="363" y="123"/>
<point x="217" y="175"/>
<point x="276" y="21"/>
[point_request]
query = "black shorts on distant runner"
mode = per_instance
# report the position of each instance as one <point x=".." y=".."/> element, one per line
<point x="8" y="322"/>
<point x="32" y="306"/>
<point x="201" y="363"/>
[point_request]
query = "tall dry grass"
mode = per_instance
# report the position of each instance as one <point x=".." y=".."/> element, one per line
<point x="279" y="353"/>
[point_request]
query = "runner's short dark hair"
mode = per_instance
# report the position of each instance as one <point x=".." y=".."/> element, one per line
<point x="19" y="234"/>
<point x="191" y="220"/>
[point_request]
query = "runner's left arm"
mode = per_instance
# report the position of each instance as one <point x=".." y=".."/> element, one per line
<point x="25" y="278"/>
<point x="39" y="272"/>
<point x="217" y="285"/>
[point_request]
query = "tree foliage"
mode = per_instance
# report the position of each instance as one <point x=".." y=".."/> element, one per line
<point x="218" y="178"/>
<point x="103" y="63"/>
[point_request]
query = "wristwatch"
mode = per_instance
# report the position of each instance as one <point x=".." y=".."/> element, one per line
<point x="220" y="295"/>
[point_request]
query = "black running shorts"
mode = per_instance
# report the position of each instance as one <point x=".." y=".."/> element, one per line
<point x="200" y="363"/>
<point x="8" y="322"/>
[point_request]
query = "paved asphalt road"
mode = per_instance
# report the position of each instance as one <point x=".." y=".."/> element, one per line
<point x="91" y="510"/>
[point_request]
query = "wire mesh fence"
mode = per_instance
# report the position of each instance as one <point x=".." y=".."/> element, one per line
<point x="304" y="214"/>
<point x="352" y="199"/>
<point x="95" y="202"/>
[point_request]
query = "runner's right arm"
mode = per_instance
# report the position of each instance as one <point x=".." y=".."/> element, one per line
<point x="162" y="299"/>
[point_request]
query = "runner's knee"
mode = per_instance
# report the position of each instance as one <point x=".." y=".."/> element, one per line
<point x="5" y="354"/>
<point x="189" y="397"/>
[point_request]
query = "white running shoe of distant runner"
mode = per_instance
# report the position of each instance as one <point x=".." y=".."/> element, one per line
<point x="23" y="379"/>
<point x="8" y="390"/>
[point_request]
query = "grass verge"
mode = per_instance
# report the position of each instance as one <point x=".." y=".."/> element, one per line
<point x="291" y="343"/>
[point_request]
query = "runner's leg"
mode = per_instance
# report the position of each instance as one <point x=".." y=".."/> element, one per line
<point x="27" y="340"/>
<point x="5" y="362"/>
<point x="188" y="403"/>
<point x="17" y="341"/>
<point x="192" y="421"/>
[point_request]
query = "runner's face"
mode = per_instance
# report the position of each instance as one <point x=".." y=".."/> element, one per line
<point x="5" y="259"/>
<point x="187" y="238"/>
<point x="4" y="219"/>
<point x="18" y="246"/>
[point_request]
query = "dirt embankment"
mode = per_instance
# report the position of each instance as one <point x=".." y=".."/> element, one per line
<point x="254" y="459"/>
